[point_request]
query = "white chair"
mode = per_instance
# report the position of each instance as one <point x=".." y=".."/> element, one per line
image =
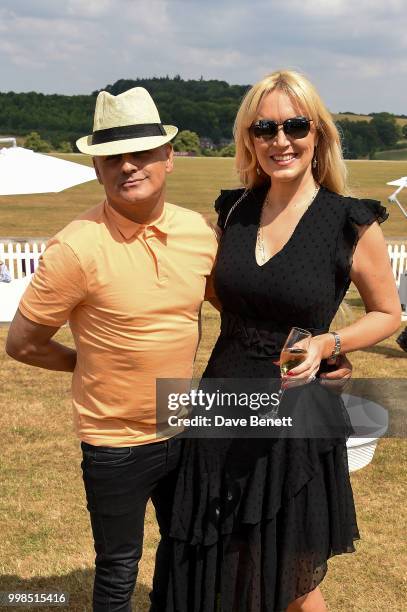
<point x="364" y="416"/>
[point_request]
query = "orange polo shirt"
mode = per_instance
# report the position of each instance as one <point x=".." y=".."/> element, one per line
<point x="132" y="295"/>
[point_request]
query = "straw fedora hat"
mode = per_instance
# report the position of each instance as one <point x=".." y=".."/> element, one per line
<point x="125" y="123"/>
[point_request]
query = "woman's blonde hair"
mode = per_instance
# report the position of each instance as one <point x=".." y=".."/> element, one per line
<point x="330" y="169"/>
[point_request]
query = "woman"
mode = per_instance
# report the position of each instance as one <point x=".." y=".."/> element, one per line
<point x="255" y="521"/>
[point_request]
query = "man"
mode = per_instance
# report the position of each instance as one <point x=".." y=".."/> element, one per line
<point x="130" y="277"/>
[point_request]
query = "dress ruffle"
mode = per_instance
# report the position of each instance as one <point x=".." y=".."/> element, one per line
<point x="365" y="211"/>
<point x="359" y="213"/>
<point x="268" y="497"/>
<point x="263" y="475"/>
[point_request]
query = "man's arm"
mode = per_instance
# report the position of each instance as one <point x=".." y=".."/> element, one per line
<point x="31" y="343"/>
<point x="57" y="287"/>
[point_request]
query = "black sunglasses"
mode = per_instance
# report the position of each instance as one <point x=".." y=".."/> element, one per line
<point x="296" y="127"/>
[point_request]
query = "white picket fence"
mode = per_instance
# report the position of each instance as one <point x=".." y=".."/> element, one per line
<point x="398" y="258"/>
<point x="22" y="259"/>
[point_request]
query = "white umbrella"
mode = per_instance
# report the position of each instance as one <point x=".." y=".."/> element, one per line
<point x="400" y="184"/>
<point x="22" y="171"/>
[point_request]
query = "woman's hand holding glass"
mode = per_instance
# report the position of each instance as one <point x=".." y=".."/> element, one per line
<point x="307" y="370"/>
<point x="304" y="356"/>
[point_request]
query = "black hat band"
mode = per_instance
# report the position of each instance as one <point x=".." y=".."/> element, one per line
<point x="126" y="132"/>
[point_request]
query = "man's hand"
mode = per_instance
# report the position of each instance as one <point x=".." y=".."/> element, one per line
<point x="31" y="343"/>
<point x="343" y="369"/>
<point x="337" y="379"/>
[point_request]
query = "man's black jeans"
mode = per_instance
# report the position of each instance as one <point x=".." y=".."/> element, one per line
<point x="118" y="483"/>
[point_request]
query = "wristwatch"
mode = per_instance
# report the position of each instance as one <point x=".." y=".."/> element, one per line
<point x="337" y="347"/>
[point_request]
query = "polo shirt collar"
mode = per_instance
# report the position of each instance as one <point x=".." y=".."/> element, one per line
<point x="129" y="229"/>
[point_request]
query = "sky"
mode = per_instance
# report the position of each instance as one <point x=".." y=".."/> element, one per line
<point x="354" y="51"/>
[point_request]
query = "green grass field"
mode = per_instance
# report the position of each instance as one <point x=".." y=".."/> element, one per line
<point x="392" y="154"/>
<point x="45" y="537"/>
<point x="194" y="184"/>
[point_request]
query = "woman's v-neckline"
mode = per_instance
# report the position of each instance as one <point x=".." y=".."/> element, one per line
<point x="292" y="236"/>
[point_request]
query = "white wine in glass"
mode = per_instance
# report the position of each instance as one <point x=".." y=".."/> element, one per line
<point x="293" y="353"/>
<point x="291" y="358"/>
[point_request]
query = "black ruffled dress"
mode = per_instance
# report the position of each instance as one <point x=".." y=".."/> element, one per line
<point x="255" y="520"/>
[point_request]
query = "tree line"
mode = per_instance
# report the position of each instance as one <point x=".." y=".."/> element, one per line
<point x="206" y="108"/>
<point x="362" y="139"/>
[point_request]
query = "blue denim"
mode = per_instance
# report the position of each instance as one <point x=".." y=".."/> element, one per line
<point x="118" y="483"/>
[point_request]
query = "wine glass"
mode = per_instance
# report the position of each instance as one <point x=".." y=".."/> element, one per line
<point x="295" y="349"/>
<point x="293" y="353"/>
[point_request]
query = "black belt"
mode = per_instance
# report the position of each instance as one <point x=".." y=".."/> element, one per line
<point x="265" y="337"/>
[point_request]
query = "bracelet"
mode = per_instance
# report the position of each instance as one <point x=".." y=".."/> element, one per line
<point x="337" y="347"/>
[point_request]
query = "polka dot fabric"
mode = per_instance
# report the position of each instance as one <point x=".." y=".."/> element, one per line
<point x="304" y="282"/>
<point x="255" y="520"/>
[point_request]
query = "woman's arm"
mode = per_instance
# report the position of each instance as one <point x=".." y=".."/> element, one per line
<point x="372" y="274"/>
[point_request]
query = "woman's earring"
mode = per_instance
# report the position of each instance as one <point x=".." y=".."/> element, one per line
<point x="258" y="170"/>
<point x="314" y="159"/>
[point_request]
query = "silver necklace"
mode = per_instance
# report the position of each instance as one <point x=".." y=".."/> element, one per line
<point x="260" y="239"/>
